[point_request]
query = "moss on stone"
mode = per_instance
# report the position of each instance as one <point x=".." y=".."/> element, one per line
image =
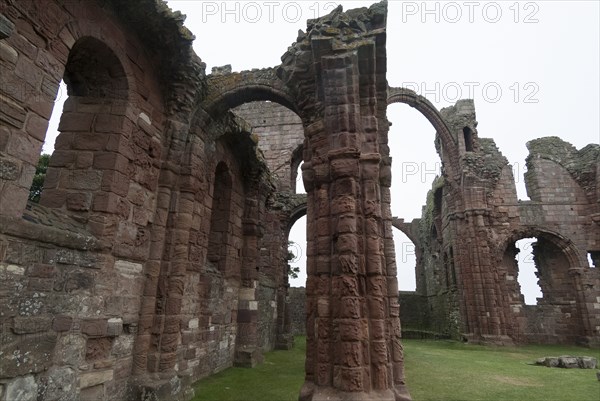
<point x="426" y="221"/>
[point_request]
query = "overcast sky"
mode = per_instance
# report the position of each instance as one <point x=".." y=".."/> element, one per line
<point x="531" y="67"/>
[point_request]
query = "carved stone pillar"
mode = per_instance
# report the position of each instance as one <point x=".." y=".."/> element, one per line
<point x="353" y="327"/>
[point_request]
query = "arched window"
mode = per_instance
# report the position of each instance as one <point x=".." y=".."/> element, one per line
<point x="297" y="249"/>
<point x="468" y="136"/>
<point x="220" y="218"/>
<point x="297" y="184"/>
<point x="406" y="261"/>
<point x="528" y="272"/>
<point x="89" y="147"/>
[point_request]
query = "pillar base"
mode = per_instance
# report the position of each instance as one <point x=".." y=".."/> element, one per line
<point x="248" y="357"/>
<point x="310" y="392"/>
<point x="284" y="342"/>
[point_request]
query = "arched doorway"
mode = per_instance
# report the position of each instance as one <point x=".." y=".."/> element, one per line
<point x="406" y="261"/>
<point x="555" y="314"/>
<point x="415" y="166"/>
<point x="278" y="133"/>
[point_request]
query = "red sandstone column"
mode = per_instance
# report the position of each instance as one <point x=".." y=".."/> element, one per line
<point x="353" y="328"/>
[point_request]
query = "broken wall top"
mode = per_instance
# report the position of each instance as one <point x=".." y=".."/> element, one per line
<point x="582" y="165"/>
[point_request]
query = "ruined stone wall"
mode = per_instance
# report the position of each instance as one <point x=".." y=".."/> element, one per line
<point x="209" y="306"/>
<point x="111" y="277"/>
<point x="297" y="301"/>
<point x="280" y="137"/>
<point x="433" y="310"/>
<point x="157" y="254"/>
<point x="73" y="267"/>
<point x="66" y="303"/>
<point x="414" y="312"/>
<point x="561" y="182"/>
<point x="267" y="320"/>
<point x="480" y="215"/>
<point x="273" y="263"/>
<point x="560" y="216"/>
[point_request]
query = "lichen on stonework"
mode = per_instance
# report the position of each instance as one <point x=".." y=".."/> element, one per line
<point x="426" y="221"/>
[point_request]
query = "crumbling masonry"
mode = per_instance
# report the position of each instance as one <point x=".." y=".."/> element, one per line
<point x="157" y="253"/>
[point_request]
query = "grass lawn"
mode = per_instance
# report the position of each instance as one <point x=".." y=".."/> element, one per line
<point x="278" y="378"/>
<point x="435" y="371"/>
<point x="452" y="371"/>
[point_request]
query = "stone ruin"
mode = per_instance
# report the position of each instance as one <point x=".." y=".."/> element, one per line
<point x="466" y="257"/>
<point x="568" y="362"/>
<point x="157" y="253"/>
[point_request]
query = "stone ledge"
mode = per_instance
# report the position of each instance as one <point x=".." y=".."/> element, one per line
<point x="248" y="358"/>
<point x="52" y="227"/>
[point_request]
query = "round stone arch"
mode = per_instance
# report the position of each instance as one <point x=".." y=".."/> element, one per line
<point x="428" y="110"/>
<point x="568" y="248"/>
<point x="96" y="30"/>
<point x="299" y="211"/>
<point x="228" y="91"/>
<point x="94" y="118"/>
<point x="95" y="70"/>
<point x="405" y="228"/>
<point x="557" y="283"/>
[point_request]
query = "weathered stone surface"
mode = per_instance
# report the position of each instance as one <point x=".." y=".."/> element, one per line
<point x="28" y="325"/>
<point x="94" y="393"/>
<point x="159" y="247"/>
<point x="98" y="348"/>
<point x="587" y="362"/>
<point x="6" y="27"/>
<point x="94" y="378"/>
<point x="115" y="327"/>
<point x="26" y="354"/>
<point x="128" y="268"/>
<point x="123" y="345"/>
<point x="569" y="362"/>
<point x="22" y="388"/>
<point x="61" y="384"/>
<point x="9" y="170"/>
<point x="70" y="349"/>
<point x="94" y="327"/>
<point x="62" y="323"/>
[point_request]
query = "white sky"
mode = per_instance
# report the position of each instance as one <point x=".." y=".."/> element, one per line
<point x="532" y="67"/>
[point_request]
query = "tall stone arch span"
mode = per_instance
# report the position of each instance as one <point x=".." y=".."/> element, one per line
<point x="226" y="91"/>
